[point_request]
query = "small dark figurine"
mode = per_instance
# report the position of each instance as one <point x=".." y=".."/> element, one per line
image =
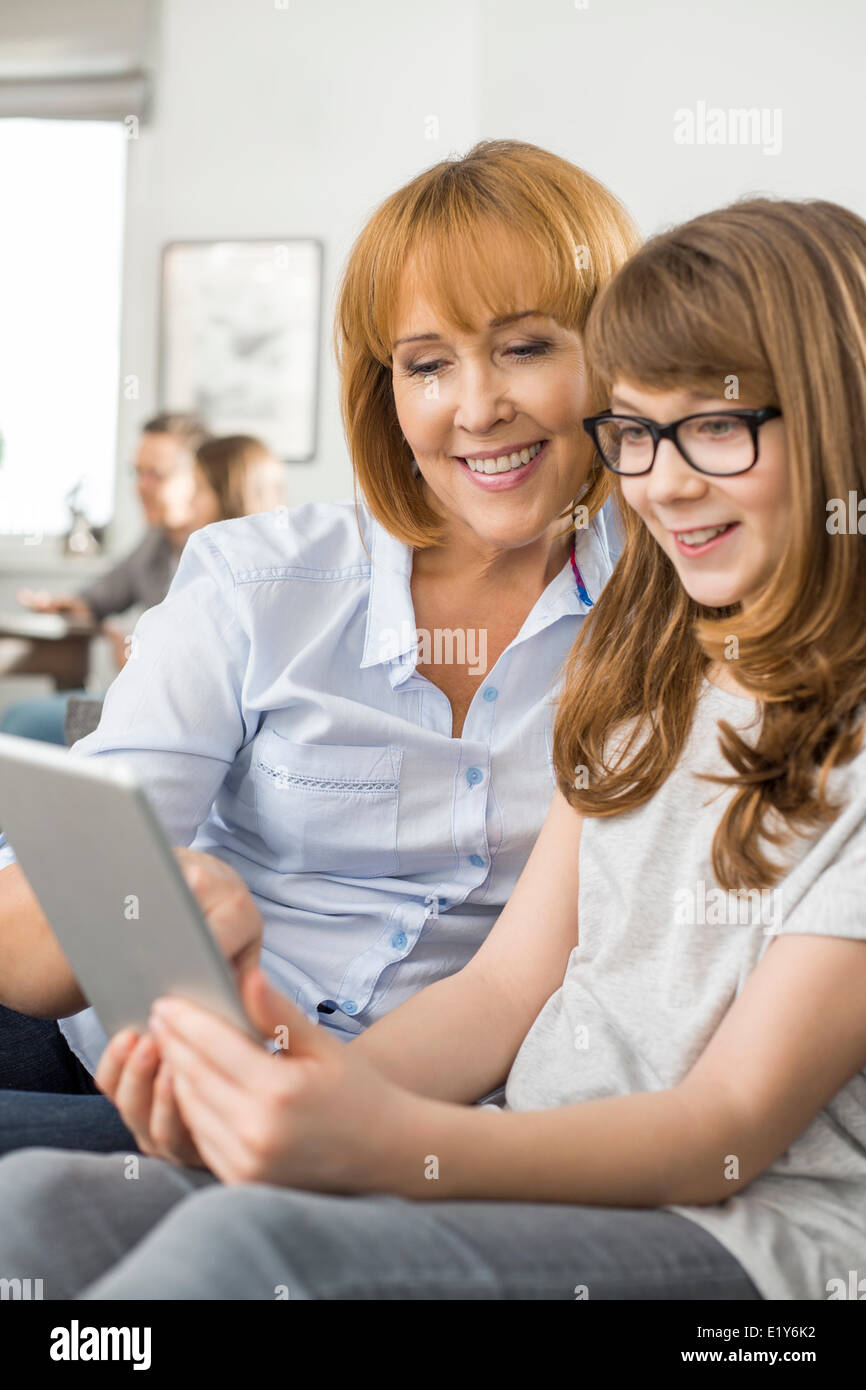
<point x="81" y="538"/>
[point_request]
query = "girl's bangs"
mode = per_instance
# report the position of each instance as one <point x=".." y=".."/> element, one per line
<point x="678" y="322"/>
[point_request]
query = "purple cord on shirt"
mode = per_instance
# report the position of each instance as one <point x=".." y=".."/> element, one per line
<point x="581" y="587"/>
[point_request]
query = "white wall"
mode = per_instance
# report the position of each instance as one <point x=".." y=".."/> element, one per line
<point x="601" y="85"/>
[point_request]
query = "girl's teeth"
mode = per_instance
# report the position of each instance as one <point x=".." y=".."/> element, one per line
<point x="505" y="463"/>
<point x="700" y="537"/>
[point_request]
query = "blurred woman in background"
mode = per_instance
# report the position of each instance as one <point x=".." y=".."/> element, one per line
<point x="236" y="475"/>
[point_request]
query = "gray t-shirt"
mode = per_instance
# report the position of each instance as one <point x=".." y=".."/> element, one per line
<point x="663" y="954"/>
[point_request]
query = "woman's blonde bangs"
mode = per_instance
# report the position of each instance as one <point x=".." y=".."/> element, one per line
<point x="482" y="271"/>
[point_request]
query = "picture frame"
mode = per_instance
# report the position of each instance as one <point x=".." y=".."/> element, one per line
<point x="240" y="337"/>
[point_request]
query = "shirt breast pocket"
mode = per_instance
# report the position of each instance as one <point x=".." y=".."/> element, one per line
<point x="328" y="808"/>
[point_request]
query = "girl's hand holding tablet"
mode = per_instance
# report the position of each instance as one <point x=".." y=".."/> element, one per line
<point x="313" y="1114"/>
<point x="132" y="1073"/>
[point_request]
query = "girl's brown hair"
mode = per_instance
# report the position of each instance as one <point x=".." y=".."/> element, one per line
<point x="483" y="222"/>
<point x="773" y="293"/>
<point x="243" y="473"/>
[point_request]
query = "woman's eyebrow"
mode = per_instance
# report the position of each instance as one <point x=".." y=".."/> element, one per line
<point x="418" y="338"/>
<point x="494" y="323"/>
<point x="511" y="318"/>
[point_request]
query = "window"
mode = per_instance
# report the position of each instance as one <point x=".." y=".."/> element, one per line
<point x="61" y="246"/>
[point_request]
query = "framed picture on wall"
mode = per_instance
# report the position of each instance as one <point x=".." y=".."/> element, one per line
<point x="240" y="338"/>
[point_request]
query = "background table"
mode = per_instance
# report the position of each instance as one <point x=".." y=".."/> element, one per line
<point x="45" y="644"/>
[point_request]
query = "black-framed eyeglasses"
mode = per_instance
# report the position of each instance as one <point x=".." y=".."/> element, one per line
<point x="721" y="443"/>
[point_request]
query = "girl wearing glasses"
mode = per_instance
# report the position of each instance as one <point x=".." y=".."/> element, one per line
<point x="676" y="989"/>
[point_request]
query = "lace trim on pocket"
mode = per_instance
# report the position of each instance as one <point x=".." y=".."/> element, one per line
<point x="322" y="784"/>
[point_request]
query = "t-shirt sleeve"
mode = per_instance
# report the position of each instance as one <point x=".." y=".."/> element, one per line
<point x="825" y="894"/>
<point x="175" y="712"/>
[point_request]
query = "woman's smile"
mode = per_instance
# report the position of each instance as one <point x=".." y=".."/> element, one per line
<point x="506" y="468"/>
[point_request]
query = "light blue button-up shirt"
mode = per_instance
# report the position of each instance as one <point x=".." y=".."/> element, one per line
<point x="272" y="711"/>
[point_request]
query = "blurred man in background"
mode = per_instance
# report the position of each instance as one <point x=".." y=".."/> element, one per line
<point x="166" y="479"/>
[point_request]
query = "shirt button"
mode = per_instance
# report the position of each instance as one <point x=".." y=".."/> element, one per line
<point x="491" y="693"/>
<point x="477" y="860"/>
<point x="474" y="775"/>
<point x="398" y="941"/>
<point x="349" y="1006"/>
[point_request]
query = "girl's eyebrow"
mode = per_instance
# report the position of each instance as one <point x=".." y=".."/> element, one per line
<point x="494" y="323"/>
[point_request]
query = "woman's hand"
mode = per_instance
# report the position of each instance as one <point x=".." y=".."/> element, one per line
<point x="131" y="1072"/>
<point x="228" y="906"/>
<point x="313" y="1114"/>
<point x="74" y="607"/>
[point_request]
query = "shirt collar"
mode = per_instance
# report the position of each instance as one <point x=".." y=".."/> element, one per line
<point x="391" y="639"/>
<point x="562" y="597"/>
<point x="592" y="555"/>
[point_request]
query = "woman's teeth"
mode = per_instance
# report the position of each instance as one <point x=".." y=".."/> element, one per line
<point x="701" y="537"/>
<point x="505" y="462"/>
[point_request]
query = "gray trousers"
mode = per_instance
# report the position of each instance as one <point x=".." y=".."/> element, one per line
<point x="122" y="1226"/>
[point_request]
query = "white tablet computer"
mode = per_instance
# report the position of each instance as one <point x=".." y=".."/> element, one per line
<point x="108" y="881"/>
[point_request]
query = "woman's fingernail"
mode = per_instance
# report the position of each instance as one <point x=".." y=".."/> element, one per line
<point x="155" y="1023"/>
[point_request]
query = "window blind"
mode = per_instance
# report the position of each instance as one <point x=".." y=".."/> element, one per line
<point x="76" y="59"/>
